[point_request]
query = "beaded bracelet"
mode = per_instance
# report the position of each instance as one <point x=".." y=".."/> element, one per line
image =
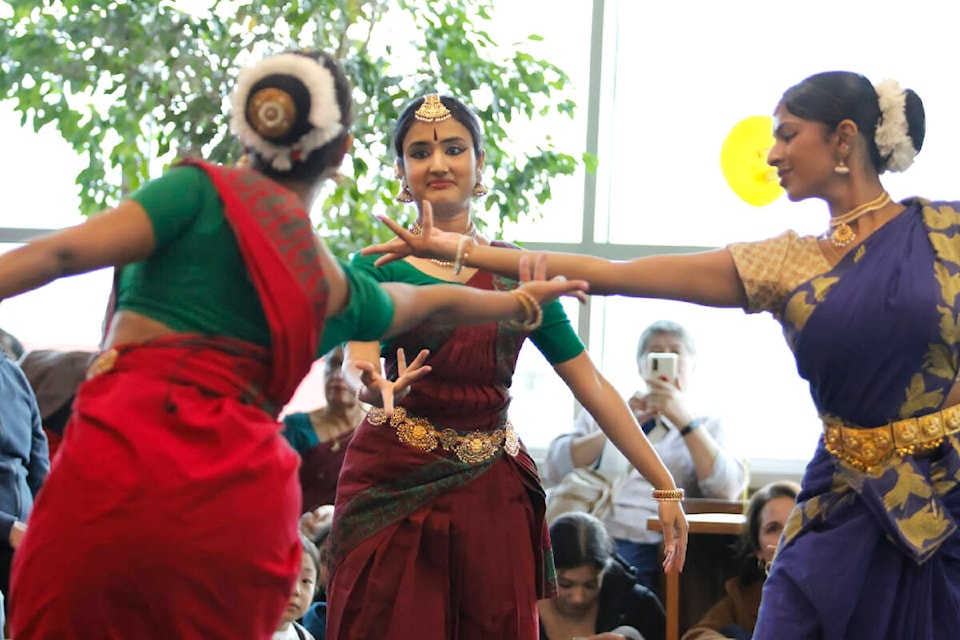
<point x="667" y="495"/>
<point x="532" y="309"/>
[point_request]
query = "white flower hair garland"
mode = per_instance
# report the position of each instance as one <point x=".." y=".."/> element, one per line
<point x="324" y="111"/>
<point x="893" y="141"/>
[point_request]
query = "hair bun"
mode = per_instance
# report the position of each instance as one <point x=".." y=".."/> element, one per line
<point x="897" y="148"/>
<point x="285" y="107"/>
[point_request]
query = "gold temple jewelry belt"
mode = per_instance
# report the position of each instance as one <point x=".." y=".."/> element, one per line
<point x="867" y="448"/>
<point x="472" y="447"/>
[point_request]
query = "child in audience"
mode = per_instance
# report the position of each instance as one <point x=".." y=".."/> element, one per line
<point x="302" y="595"/>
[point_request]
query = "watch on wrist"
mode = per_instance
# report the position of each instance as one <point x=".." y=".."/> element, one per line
<point x="691" y="427"/>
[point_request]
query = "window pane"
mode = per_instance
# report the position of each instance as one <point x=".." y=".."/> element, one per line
<point x="514" y="23"/>
<point x="687" y="71"/>
<point x="43" y="168"/>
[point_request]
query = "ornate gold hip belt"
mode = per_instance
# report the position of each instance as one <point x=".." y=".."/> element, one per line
<point x="867" y="448"/>
<point x="472" y="447"/>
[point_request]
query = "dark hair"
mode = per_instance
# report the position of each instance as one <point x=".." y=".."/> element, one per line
<point x="460" y="112"/>
<point x="322" y="159"/>
<point x="664" y="326"/>
<point x="10" y="344"/>
<point x="833" y="96"/>
<point x="749" y="543"/>
<point x="580" y="539"/>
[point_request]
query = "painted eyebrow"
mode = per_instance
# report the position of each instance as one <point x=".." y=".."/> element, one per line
<point x="455" y="139"/>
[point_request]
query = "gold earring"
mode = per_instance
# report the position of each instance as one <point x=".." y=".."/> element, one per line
<point x="404" y="196"/>
<point x="841" y="168"/>
<point x="478" y="189"/>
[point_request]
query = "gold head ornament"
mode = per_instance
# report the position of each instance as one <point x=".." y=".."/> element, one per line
<point x="432" y="110"/>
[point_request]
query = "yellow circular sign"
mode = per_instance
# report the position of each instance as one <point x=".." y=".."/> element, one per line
<point x="743" y="159"/>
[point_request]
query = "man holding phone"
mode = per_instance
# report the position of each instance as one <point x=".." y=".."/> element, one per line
<point x="691" y="445"/>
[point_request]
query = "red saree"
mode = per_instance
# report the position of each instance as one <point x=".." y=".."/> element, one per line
<point x="171" y="509"/>
<point x="423" y="544"/>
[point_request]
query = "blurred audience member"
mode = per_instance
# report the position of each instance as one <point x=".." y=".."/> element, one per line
<point x="321" y="436"/>
<point x="735" y="615"/>
<point x="302" y="595"/>
<point x="691" y="445"/>
<point x="315" y="620"/>
<point x="600" y="596"/>
<point x="24" y="460"/>
<point x="55" y="376"/>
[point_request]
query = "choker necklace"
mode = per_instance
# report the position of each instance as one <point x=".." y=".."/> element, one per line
<point x="471" y="231"/>
<point x="841" y="233"/>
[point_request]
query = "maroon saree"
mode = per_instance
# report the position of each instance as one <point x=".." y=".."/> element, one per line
<point x="423" y="544"/>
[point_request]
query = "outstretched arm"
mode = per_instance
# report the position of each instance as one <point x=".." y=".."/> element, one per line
<point x="455" y="304"/>
<point x="613" y="416"/>
<point x="708" y="278"/>
<point x="112" y="238"/>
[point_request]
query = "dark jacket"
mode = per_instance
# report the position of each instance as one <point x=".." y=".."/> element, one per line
<point x="24" y="461"/>
<point x="626" y="602"/>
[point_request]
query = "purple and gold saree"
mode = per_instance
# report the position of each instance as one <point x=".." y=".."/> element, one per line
<point x="869" y="554"/>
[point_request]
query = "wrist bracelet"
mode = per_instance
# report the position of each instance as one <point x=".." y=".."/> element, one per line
<point x="533" y="312"/>
<point x="460" y="261"/>
<point x="693" y="426"/>
<point x="667" y="495"/>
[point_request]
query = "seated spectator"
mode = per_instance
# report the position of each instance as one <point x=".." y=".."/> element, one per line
<point x="321" y="436"/>
<point x="735" y="615"/>
<point x="315" y="620"/>
<point x="302" y="595"/>
<point x="599" y="595"/>
<point x="55" y="376"/>
<point x="24" y="460"/>
<point x="693" y="449"/>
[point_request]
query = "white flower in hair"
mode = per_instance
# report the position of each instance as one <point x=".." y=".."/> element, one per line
<point x="894" y="143"/>
<point x="275" y="108"/>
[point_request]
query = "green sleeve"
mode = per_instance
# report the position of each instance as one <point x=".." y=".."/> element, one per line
<point x="367" y="316"/>
<point x="555" y="338"/>
<point x="173" y="201"/>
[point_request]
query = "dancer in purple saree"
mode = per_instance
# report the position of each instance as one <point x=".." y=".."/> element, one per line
<point x="870" y="310"/>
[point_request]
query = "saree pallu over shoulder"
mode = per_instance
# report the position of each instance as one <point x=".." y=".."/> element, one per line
<point x="277" y="241"/>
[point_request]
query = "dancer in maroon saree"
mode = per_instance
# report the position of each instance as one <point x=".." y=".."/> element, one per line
<point x="439" y="528"/>
<point x="870" y="309"/>
<point x="173" y="483"/>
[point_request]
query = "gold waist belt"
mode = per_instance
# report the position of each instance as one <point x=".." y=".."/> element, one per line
<point x="472" y="447"/>
<point x="867" y="448"/>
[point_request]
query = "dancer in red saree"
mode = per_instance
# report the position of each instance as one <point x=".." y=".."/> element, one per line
<point x="177" y="492"/>
<point x="439" y="525"/>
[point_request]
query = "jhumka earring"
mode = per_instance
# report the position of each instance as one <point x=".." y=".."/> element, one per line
<point x="404" y="196"/>
<point x="478" y="189"/>
<point x="841" y="168"/>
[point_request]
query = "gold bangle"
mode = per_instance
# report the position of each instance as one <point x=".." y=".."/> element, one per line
<point x="667" y="495"/>
<point x="460" y="261"/>
<point x="532" y="310"/>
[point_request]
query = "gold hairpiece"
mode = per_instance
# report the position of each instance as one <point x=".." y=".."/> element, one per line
<point x="432" y="110"/>
<point x="271" y="113"/>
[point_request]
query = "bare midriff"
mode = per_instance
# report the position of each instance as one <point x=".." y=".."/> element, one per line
<point x="132" y="327"/>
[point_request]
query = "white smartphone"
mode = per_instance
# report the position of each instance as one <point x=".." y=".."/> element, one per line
<point x="662" y="366"/>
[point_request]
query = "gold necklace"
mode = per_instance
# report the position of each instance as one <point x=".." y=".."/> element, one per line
<point x="471" y="231"/>
<point x="841" y="233"/>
